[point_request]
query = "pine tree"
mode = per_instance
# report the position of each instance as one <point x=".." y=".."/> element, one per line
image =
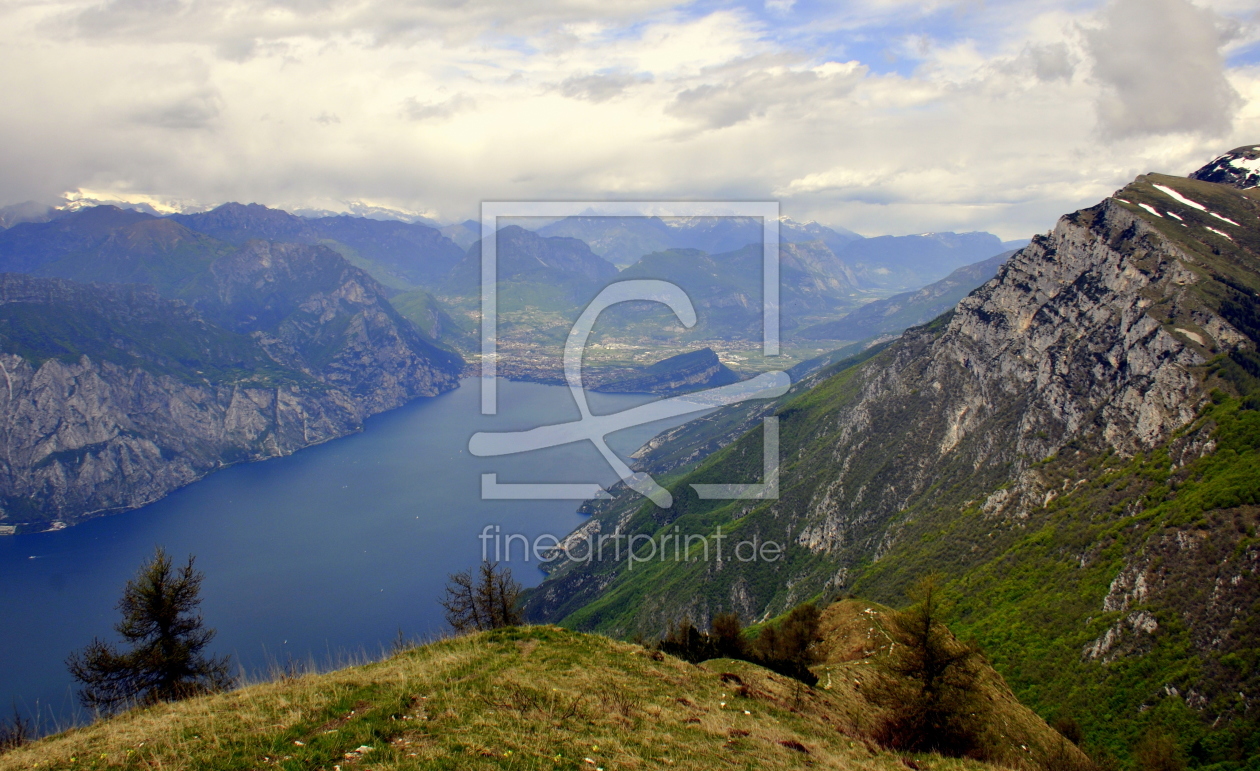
<point x="790" y="648"/>
<point x="167" y="637"/>
<point x="487" y="601"/>
<point x="930" y="688"/>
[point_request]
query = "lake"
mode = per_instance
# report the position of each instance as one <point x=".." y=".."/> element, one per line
<point x="322" y="554"/>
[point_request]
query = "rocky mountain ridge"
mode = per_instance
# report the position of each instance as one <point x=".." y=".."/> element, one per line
<point x="1050" y="445"/>
<point x="115" y="396"/>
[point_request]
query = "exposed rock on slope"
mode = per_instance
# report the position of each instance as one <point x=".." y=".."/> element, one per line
<point x="1095" y="399"/>
<point x="1066" y="342"/>
<point x="114" y="396"/>
<point x="315" y="312"/>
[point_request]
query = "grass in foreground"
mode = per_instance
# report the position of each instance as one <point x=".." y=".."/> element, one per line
<point x="522" y="698"/>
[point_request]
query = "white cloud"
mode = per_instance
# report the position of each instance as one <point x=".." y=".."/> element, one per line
<point x="437" y="106"/>
<point x="414" y="109"/>
<point x="1161" y="67"/>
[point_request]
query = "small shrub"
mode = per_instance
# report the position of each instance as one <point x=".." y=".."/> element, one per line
<point x="1069" y="729"/>
<point x="486" y="601"/>
<point x="728" y="636"/>
<point x="930" y="688"/>
<point x="790" y="648"/>
<point x="15" y="732"/>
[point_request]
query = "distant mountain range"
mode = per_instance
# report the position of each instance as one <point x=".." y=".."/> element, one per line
<point x="623" y="240"/>
<point x="895" y="314"/>
<point x="118" y="395"/>
<point x="903" y="263"/>
<point x="549" y="272"/>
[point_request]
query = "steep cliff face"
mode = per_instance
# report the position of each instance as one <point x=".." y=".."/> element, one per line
<point x="1086" y="418"/>
<point x="86" y="438"/>
<point x="1058" y="347"/>
<point x="114" y="396"/>
<point x="1091" y="335"/>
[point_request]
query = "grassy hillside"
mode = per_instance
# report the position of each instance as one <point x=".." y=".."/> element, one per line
<point x="525" y="698"/>
<point x="1112" y="581"/>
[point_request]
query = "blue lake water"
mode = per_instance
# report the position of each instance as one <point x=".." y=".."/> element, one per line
<point x="321" y="554"/>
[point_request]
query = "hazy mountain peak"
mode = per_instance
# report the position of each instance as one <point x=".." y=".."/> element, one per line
<point x="28" y="211"/>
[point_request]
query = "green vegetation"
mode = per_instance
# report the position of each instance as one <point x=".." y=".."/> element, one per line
<point x="930" y="688"/>
<point x="517" y="698"/>
<point x="167" y="637"/>
<point x="1051" y="592"/>
<point x="787" y="647"/>
<point x="135" y="330"/>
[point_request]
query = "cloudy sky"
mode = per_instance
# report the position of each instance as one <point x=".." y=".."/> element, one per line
<point x="884" y="116"/>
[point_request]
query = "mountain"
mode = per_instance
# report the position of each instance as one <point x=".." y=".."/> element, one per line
<point x="25" y="212"/>
<point x="116" y="396"/>
<point x="623" y="240"/>
<point x="836" y="238"/>
<point x="30" y="246"/>
<point x="435" y="322"/>
<point x="1238" y="168"/>
<point x="620" y="240"/>
<point x="910" y="262"/>
<point x="417" y="254"/>
<point x="1074" y="447"/>
<point x="464" y="234"/>
<point x="401" y="254"/>
<point x="725" y="234"/>
<point x="685" y="372"/>
<point x="550" y="272"/>
<point x="726" y="288"/>
<point x="908" y="309"/>
<point x="313" y="311"/>
<point x="812" y="270"/>
<point x="539" y="697"/>
<point x="880" y="263"/>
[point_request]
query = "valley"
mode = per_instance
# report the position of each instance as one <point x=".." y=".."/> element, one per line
<point x="1064" y="434"/>
<point x="1072" y="447"/>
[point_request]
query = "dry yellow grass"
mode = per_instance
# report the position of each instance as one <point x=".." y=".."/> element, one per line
<point x="854" y="639"/>
<point x="528" y="698"/>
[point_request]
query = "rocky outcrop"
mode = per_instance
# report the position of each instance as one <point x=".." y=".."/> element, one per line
<point x="113" y="396"/>
<point x="1092" y="339"/>
<point x="84" y="438"/>
<point x="1059" y="346"/>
